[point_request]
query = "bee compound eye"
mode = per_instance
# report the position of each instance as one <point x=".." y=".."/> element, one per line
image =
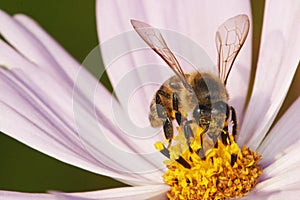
<point x="220" y="107"/>
<point x="196" y="113"/>
<point x="200" y="111"/>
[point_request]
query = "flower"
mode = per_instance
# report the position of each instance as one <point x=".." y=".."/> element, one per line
<point x="61" y="121"/>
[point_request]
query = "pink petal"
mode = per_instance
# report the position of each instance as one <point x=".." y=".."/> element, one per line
<point x="198" y="21"/>
<point x="287" y="180"/>
<point x="282" y="136"/>
<point x="280" y="152"/>
<point x="156" y="192"/>
<point x="69" y="65"/>
<point x="26" y="93"/>
<point x="39" y="41"/>
<point x="289" y="160"/>
<point x="55" y="133"/>
<point x="27" y="44"/>
<point x="134" y="193"/>
<point x="274" y="195"/>
<point x="7" y="195"/>
<point x="278" y="60"/>
<point x="285" y="194"/>
<point x="72" y="68"/>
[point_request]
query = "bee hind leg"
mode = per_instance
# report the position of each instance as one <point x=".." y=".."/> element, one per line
<point x="175" y="105"/>
<point x="162" y="114"/>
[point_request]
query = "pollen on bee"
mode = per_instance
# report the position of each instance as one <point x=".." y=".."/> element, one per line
<point x="227" y="171"/>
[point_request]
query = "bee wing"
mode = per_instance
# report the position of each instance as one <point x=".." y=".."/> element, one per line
<point x="230" y="38"/>
<point x="155" y="40"/>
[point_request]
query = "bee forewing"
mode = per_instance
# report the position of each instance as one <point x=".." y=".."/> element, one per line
<point x="230" y="38"/>
<point x="149" y="34"/>
<point x="155" y="40"/>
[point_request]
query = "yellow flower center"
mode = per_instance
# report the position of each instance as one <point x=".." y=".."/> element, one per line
<point x="225" y="172"/>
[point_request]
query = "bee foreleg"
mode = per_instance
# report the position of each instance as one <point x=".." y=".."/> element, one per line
<point x="215" y="140"/>
<point x="188" y="133"/>
<point x="201" y="151"/>
<point x="225" y="134"/>
<point x="234" y="121"/>
<point x="224" y="131"/>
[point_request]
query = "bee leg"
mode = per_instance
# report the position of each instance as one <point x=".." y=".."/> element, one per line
<point x="168" y="130"/>
<point x="215" y="140"/>
<point x="175" y="101"/>
<point x="188" y="132"/>
<point x="234" y="121"/>
<point x="175" y="105"/>
<point x="224" y="133"/>
<point x="165" y="151"/>
<point x="161" y="112"/>
<point x="234" y="132"/>
<point x="178" y="118"/>
<point x="163" y="93"/>
<point x="233" y="159"/>
<point x="201" y="151"/>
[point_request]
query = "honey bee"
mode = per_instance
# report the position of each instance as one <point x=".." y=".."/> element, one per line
<point x="199" y="97"/>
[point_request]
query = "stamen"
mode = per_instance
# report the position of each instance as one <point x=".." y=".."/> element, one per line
<point x="205" y="172"/>
<point x="159" y="146"/>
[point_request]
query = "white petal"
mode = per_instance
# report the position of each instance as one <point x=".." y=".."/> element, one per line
<point x="49" y="128"/>
<point x="283" y="135"/>
<point x="62" y="58"/>
<point x="282" y="173"/>
<point x="288" y="180"/>
<point x="55" y="58"/>
<point x="52" y="132"/>
<point x="50" y="143"/>
<point x="285" y="194"/>
<point x="198" y="21"/>
<point x="274" y="195"/>
<point x="7" y="195"/>
<point x="60" y="113"/>
<point x="78" y="75"/>
<point x="135" y="193"/>
<point x="58" y="108"/>
<point x="278" y="60"/>
<point x="27" y="44"/>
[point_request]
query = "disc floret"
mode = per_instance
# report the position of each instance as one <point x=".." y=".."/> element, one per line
<point x="227" y="171"/>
